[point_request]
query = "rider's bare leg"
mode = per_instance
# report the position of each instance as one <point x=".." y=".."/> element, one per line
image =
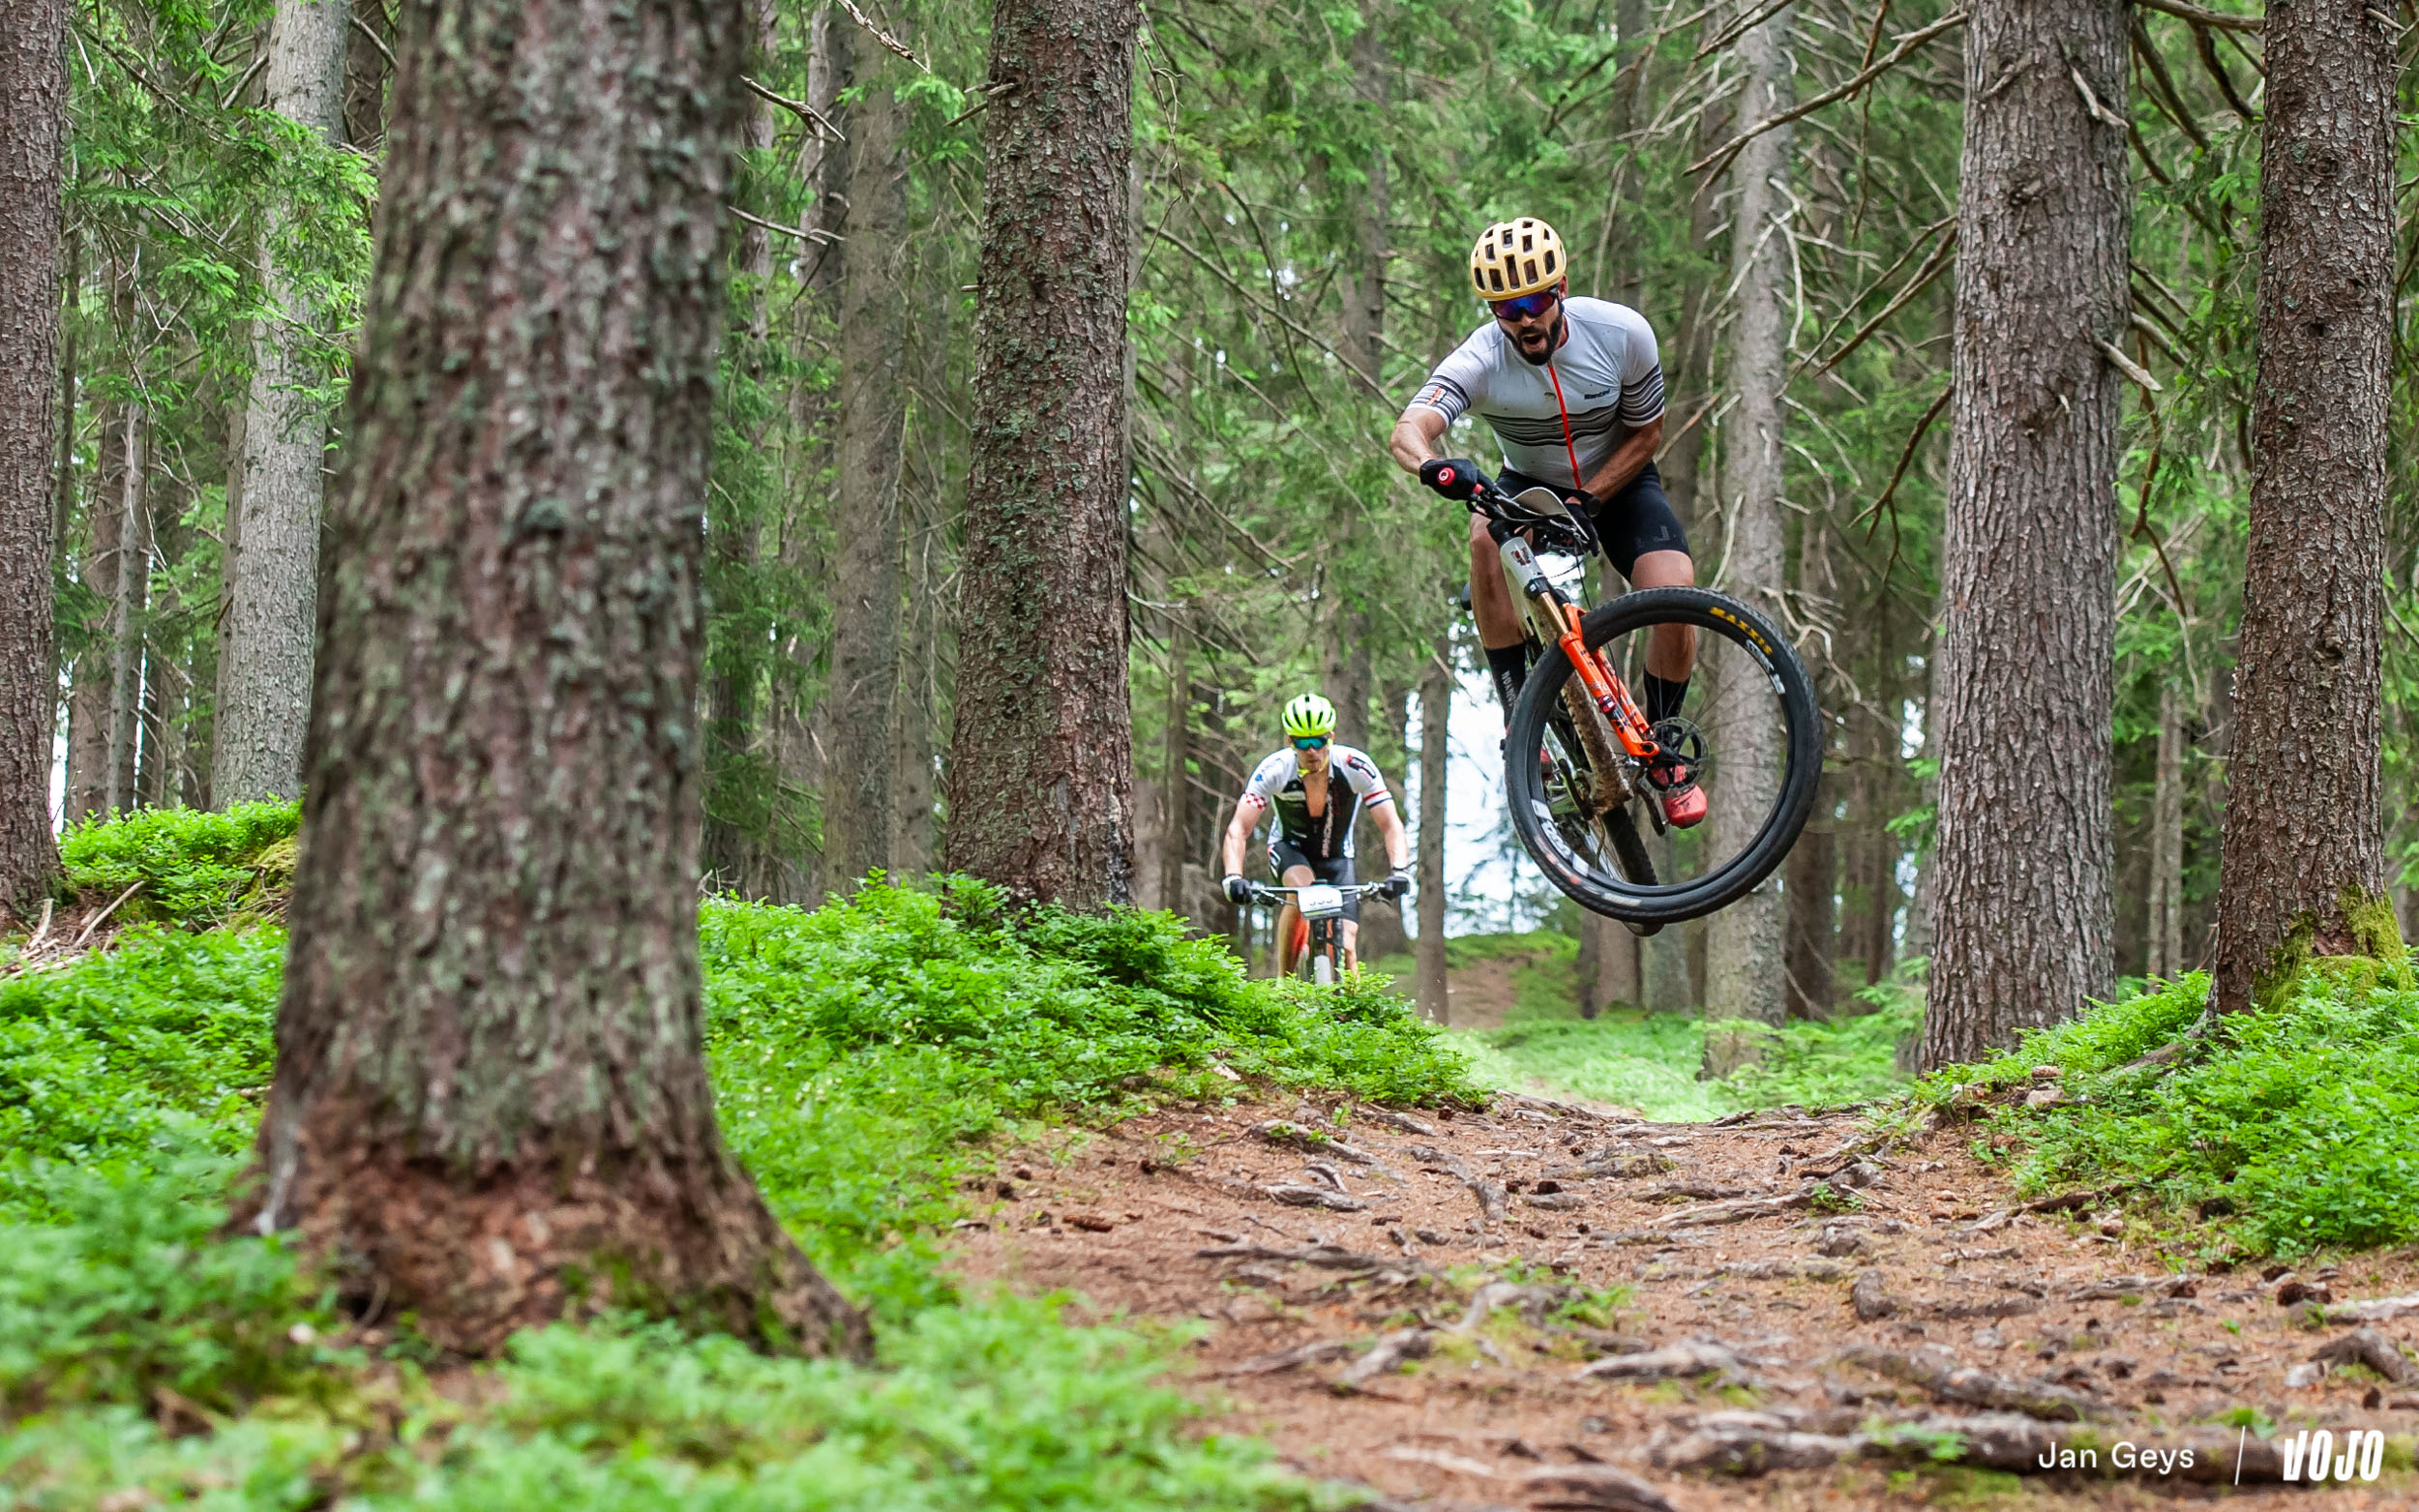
<point x="1289" y="916"/>
<point x="1672" y="652"/>
<point x="1490" y="596"/>
<point x="1348" y="944"/>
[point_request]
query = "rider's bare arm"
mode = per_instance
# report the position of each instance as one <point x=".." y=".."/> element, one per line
<point x="1415" y="437"/>
<point x="1628" y="458"/>
<point x="1239" y="835"/>
<point x="1390" y="830"/>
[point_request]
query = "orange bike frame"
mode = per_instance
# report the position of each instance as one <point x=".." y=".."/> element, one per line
<point x="1606" y="687"/>
<point x="1596" y="674"/>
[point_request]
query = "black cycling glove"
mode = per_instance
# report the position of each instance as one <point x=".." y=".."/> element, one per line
<point x="1455" y="477"/>
<point x="1238" y="890"/>
<point x="1397" y="885"/>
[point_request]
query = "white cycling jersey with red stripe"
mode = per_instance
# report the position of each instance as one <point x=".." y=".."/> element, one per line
<point x="1606" y="377"/>
<point x="1277" y="783"/>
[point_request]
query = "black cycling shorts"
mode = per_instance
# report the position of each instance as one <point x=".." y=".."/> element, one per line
<point x="1633" y="523"/>
<point x="1334" y="871"/>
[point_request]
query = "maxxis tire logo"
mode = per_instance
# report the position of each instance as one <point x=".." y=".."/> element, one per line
<point x="1752" y="634"/>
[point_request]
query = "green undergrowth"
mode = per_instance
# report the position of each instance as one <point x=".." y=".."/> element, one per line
<point x="2290" y="1128"/>
<point x="1650" y="1061"/>
<point x="195" y="868"/>
<point x="866" y="1059"/>
<point x="132" y="1313"/>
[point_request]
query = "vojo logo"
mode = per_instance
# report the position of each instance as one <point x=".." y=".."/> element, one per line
<point x="2311" y="1456"/>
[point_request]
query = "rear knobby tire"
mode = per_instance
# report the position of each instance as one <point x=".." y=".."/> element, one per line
<point x="1640" y="898"/>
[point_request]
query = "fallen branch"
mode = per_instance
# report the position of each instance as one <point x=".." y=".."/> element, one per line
<point x="93" y="922"/>
<point x="1314" y="1196"/>
<point x="1330" y="1257"/>
<point x="1616" y="1164"/>
<point x="1737" y="1212"/>
<point x="2370" y="1348"/>
<point x="1592" y="1488"/>
<point x="1293" y="1136"/>
<point x="1389" y="1352"/>
<point x="2377" y="1310"/>
<point x="2116" y="1287"/>
<point x="1689" y="1357"/>
<point x="1938" y="1372"/>
<point x="1316" y="1353"/>
<point x="1491" y="1197"/>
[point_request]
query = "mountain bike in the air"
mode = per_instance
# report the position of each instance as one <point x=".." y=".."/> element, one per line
<point x="1312" y="954"/>
<point x="1585" y="769"/>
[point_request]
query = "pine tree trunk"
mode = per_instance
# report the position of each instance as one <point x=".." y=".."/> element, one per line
<point x="1041" y="770"/>
<point x="737" y="835"/>
<point x="2303" y="869"/>
<point x="265" y="641"/>
<point x="33" y="135"/>
<point x="857" y="814"/>
<point x="797" y="715"/>
<point x="911" y="748"/>
<point x="1814" y="921"/>
<point x="128" y="612"/>
<point x="2167" y="842"/>
<point x="1436" y="711"/>
<point x="88" y="698"/>
<point x="1382" y="931"/>
<point x="2023" y="910"/>
<point x="1175" y="756"/>
<point x="364" y="119"/>
<point x="491" y="1105"/>
<point x="1745" y="943"/>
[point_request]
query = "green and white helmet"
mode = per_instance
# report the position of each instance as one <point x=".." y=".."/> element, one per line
<point x="1310" y="715"/>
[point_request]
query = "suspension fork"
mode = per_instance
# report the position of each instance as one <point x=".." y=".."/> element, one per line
<point x="1604" y="686"/>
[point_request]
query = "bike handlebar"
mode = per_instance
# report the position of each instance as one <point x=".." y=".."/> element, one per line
<point x="1506" y="518"/>
<point x="1261" y="892"/>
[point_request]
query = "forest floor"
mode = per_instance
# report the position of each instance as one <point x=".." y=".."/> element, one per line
<point x="1676" y="1301"/>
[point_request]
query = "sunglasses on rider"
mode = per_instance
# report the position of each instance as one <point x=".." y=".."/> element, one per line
<point x="1310" y="742"/>
<point x="1527" y="306"/>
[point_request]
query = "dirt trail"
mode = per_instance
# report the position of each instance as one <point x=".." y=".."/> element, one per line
<point x="1762" y="1325"/>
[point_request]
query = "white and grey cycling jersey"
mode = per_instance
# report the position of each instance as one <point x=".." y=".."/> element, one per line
<point x="1612" y="383"/>
<point x="1277" y="783"/>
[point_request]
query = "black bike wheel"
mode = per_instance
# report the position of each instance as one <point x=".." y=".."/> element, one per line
<point x="1748" y="717"/>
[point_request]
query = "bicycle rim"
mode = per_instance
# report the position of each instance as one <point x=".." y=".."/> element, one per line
<point x="1747" y="721"/>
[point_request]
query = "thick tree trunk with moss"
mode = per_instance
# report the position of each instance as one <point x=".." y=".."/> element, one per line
<point x="2303" y="870"/>
<point x="264" y="669"/>
<point x="491" y="1106"/>
<point x="33" y="134"/>
<point x="1041" y="765"/>
<point x="2023" y="915"/>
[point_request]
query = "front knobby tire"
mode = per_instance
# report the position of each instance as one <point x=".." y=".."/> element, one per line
<point x="1760" y="678"/>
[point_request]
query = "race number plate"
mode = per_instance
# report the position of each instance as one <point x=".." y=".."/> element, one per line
<point x="1320" y="902"/>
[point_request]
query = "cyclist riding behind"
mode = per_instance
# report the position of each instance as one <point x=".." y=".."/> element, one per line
<point x="1574" y="391"/>
<point x="1312" y="839"/>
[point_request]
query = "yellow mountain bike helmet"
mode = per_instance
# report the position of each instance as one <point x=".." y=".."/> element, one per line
<point x="1310" y="715"/>
<point x="1516" y="257"/>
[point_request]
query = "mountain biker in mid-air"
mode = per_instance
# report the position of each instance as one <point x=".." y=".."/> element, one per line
<point x="1312" y="839"/>
<point x="1573" y="390"/>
